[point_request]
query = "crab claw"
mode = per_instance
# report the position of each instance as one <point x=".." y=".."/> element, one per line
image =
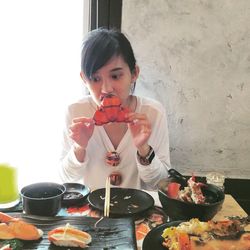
<point x="14" y="228"/>
<point x="110" y="100"/>
<point x="122" y="115"/>
<point x="100" y="118"/>
<point x="111" y="105"/>
<point x="112" y="113"/>
<point x="110" y="110"/>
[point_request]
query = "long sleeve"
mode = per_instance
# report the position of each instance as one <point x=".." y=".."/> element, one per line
<point x="70" y="169"/>
<point x="159" y="140"/>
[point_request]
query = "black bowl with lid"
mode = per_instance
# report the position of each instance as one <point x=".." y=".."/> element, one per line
<point x="43" y="198"/>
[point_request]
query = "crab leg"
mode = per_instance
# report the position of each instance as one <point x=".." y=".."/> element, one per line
<point x="14" y="228"/>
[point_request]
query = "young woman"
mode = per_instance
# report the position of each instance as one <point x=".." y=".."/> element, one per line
<point x="135" y="153"/>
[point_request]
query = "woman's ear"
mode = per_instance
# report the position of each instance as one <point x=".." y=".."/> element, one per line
<point x="135" y="73"/>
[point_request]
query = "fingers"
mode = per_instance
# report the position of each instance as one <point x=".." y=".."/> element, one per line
<point x="143" y="129"/>
<point x="76" y="126"/>
<point x="81" y="130"/>
<point x="139" y="124"/>
<point x="138" y="119"/>
<point x="74" y="136"/>
<point x="80" y="122"/>
<point x="83" y="120"/>
<point x="135" y="116"/>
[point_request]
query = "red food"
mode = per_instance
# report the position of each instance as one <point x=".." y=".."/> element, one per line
<point x="121" y="114"/>
<point x="100" y="117"/>
<point x="15" y="228"/>
<point x="173" y="190"/>
<point x="196" y="192"/>
<point x="110" y="100"/>
<point x="184" y="241"/>
<point x="110" y="110"/>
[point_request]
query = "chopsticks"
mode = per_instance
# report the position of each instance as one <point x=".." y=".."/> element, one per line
<point x="106" y="201"/>
<point x="107" y="198"/>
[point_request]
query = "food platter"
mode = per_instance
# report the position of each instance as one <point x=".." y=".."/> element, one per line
<point x="153" y="239"/>
<point x="75" y="194"/>
<point x="225" y="234"/>
<point x="107" y="234"/>
<point x="124" y="202"/>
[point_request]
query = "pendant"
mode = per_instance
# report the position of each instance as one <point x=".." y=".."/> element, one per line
<point x="115" y="179"/>
<point x="113" y="158"/>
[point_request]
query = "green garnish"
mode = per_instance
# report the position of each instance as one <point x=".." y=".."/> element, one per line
<point x="15" y="244"/>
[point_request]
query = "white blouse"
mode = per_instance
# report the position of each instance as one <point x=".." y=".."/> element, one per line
<point x="94" y="170"/>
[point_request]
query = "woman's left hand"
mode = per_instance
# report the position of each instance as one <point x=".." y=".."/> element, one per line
<point x="140" y="128"/>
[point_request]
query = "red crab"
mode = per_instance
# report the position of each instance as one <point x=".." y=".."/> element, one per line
<point x="110" y="110"/>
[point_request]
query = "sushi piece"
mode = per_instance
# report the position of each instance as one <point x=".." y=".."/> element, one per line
<point x="15" y="228"/>
<point x="69" y="236"/>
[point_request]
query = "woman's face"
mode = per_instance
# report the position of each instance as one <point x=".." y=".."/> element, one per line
<point x="114" y="77"/>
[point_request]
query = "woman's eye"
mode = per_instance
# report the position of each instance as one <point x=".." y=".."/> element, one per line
<point x="116" y="76"/>
<point x="95" y="78"/>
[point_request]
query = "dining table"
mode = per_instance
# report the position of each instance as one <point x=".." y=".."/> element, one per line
<point x="142" y="225"/>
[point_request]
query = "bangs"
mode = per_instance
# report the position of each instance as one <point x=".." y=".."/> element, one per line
<point x="96" y="52"/>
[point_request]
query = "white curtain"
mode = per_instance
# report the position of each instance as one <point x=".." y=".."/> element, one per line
<point x="39" y="76"/>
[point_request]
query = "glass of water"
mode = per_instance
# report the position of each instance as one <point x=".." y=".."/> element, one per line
<point x="216" y="179"/>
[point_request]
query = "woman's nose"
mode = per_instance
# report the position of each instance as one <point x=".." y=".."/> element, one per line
<point x="107" y="86"/>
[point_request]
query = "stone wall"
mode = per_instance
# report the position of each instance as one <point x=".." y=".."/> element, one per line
<point x="195" y="58"/>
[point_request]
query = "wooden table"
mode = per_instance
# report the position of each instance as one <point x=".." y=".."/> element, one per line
<point x="230" y="207"/>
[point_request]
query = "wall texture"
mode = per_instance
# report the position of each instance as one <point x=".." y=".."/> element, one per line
<point x="195" y="58"/>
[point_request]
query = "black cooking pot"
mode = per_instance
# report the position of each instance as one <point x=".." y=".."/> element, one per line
<point x="182" y="210"/>
<point x="44" y="198"/>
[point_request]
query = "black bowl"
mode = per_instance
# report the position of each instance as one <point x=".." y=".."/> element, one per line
<point x="44" y="198"/>
<point x="181" y="210"/>
<point x="75" y="194"/>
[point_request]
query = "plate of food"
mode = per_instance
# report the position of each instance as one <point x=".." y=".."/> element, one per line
<point x="123" y="201"/>
<point x="195" y="234"/>
<point x="75" y="194"/>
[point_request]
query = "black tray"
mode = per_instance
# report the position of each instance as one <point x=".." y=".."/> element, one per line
<point x="109" y="233"/>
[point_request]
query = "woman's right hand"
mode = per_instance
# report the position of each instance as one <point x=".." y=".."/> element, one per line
<point x="81" y="130"/>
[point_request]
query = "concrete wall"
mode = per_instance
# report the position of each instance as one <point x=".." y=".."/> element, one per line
<point x="195" y="58"/>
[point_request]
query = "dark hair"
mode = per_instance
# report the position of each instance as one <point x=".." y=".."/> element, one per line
<point x="100" y="46"/>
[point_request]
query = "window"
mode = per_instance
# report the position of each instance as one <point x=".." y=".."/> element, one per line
<point x="40" y="64"/>
<point x="106" y="13"/>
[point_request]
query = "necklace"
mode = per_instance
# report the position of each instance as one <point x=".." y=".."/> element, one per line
<point x="114" y="134"/>
<point x="113" y="158"/>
